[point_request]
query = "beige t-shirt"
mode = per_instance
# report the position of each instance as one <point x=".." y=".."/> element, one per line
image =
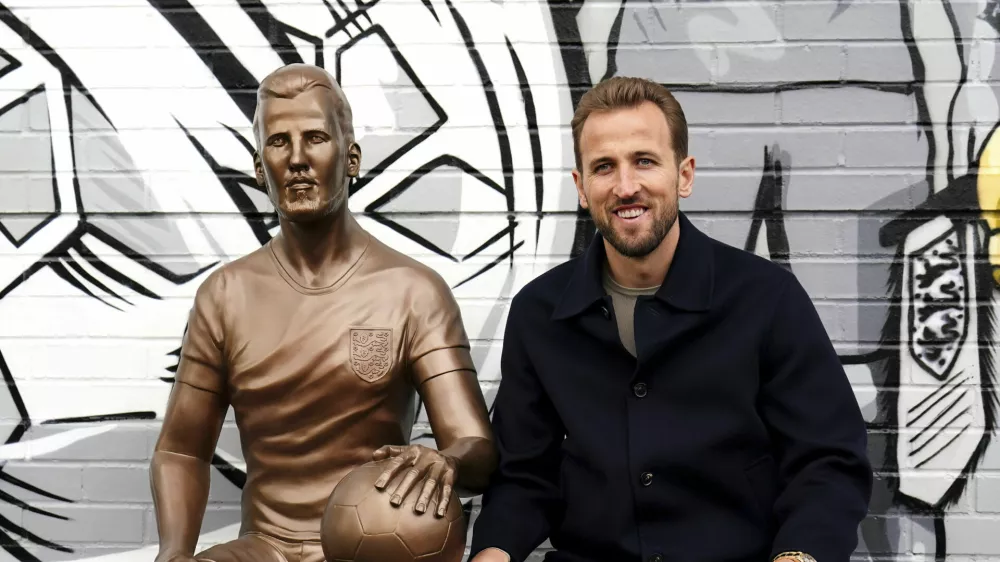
<point x="623" y="299"/>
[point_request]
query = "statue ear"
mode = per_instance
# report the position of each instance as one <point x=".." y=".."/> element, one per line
<point x="258" y="169"/>
<point x="353" y="160"/>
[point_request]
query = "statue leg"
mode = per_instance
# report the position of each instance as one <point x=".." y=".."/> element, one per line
<point x="248" y="548"/>
<point x="312" y="551"/>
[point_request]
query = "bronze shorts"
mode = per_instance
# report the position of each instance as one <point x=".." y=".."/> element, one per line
<point x="258" y="547"/>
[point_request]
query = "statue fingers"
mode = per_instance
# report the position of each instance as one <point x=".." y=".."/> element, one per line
<point x="406" y="485"/>
<point x="430" y="485"/>
<point x="387" y="451"/>
<point x="447" y="484"/>
<point x="392" y="470"/>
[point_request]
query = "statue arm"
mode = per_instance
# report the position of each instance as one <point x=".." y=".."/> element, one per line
<point x="181" y="465"/>
<point x="459" y="419"/>
<point x="445" y="375"/>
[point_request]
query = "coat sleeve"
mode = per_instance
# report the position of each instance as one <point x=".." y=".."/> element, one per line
<point x="519" y="506"/>
<point x="819" y="433"/>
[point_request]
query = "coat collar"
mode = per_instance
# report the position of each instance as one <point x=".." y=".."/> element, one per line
<point x="688" y="285"/>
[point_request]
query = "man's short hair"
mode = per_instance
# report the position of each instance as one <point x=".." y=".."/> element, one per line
<point x="621" y="92"/>
<point x="289" y="87"/>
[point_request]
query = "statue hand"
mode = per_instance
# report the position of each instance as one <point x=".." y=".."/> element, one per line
<point x="440" y="470"/>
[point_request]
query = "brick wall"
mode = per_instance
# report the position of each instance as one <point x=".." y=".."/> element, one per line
<point x="842" y="138"/>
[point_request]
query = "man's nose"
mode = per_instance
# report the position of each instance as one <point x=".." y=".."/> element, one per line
<point x="627" y="184"/>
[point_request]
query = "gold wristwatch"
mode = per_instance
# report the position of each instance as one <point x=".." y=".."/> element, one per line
<point x="797" y="556"/>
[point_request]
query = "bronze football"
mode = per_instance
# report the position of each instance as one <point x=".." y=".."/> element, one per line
<point x="360" y="525"/>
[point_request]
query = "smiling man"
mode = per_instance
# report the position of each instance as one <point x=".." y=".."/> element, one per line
<point x="665" y="396"/>
<point x="319" y="342"/>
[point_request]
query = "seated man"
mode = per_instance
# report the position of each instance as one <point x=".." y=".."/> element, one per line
<point x="319" y="341"/>
<point x="665" y="397"/>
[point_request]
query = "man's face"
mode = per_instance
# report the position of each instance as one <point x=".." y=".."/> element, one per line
<point x="302" y="158"/>
<point x="630" y="181"/>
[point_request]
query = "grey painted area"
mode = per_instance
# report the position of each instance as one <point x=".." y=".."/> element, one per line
<point x="111" y="184"/>
<point x="26" y="167"/>
<point x="412" y="113"/>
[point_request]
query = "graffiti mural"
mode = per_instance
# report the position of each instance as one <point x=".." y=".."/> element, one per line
<point x="127" y="156"/>
<point x="851" y="142"/>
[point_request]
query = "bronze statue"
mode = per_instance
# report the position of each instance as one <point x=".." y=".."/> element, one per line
<point x="319" y="341"/>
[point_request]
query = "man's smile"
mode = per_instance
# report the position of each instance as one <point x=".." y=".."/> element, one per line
<point x="629" y="213"/>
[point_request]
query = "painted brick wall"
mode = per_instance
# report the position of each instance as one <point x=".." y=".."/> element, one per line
<point x="845" y="139"/>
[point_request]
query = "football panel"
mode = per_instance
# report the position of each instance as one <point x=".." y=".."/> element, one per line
<point x="453" y="549"/>
<point x="383" y="548"/>
<point x="354" y="487"/>
<point x="341" y="533"/>
<point x="454" y="544"/>
<point x="422" y="533"/>
<point x="377" y="514"/>
<point x="454" y="511"/>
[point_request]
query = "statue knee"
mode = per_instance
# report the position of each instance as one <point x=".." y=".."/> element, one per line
<point x="248" y="548"/>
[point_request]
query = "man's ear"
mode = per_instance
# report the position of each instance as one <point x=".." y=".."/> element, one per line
<point x="578" y="181"/>
<point x="353" y="160"/>
<point x="685" y="177"/>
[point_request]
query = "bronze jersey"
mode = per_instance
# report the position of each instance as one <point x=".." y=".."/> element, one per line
<point x="318" y="378"/>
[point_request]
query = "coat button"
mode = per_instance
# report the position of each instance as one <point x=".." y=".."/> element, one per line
<point x="646" y="478"/>
<point x="639" y="389"/>
<point x="604" y="311"/>
<point x="656" y="558"/>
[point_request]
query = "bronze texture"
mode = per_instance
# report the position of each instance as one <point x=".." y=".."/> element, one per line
<point x="319" y="341"/>
<point x="360" y="524"/>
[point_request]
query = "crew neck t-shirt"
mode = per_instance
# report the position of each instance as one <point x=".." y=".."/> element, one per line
<point x="623" y="299"/>
<point x="318" y="378"/>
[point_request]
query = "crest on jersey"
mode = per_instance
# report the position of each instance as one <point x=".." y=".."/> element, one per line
<point x="371" y="354"/>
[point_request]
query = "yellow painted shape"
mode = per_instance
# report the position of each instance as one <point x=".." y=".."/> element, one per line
<point x="988" y="192"/>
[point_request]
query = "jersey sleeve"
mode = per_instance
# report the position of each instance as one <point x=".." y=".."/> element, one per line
<point x="202" y="360"/>
<point x="437" y="342"/>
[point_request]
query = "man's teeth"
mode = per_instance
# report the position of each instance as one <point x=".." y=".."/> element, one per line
<point x="630" y="213"/>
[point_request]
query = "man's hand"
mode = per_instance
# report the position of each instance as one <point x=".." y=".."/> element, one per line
<point x="491" y="555"/>
<point x="440" y="470"/>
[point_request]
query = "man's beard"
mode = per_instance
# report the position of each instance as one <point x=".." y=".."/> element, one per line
<point x="645" y="243"/>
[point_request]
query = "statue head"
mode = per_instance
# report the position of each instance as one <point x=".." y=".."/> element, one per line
<point x="306" y="153"/>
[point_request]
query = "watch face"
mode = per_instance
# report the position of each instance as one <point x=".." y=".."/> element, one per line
<point x="797" y="556"/>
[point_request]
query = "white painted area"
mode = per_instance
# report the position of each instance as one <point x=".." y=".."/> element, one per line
<point x="935" y="40"/>
<point x="29" y="449"/>
<point x="935" y="444"/>
<point x="72" y="355"/>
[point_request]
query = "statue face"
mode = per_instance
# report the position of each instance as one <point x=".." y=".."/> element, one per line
<point x="303" y="159"/>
